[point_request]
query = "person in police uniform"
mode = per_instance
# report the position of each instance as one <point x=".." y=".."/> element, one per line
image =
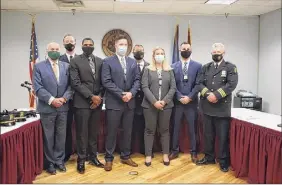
<point x="216" y="83"/>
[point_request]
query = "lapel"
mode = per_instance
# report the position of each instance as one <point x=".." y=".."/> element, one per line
<point x="179" y="69"/>
<point x="61" y="71"/>
<point x="145" y="65"/>
<point x="219" y="68"/>
<point x="50" y="70"/>
<point x="66" y="58"/>
<point x="128" y="66"/>
<point x="190" y="68"/>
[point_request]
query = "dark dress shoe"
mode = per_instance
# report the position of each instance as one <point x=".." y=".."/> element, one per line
<point x="194" y="158"/>
<point x="166" y="163"/>
<point x="223" y="167"/>
<point x="51" y="169"/>
<point x="96" y="162"/>
<point x="108" y="166"/>
<point x="148" y="164"/>
<point x="129" y="162"/>
<point x="172" y="156"/>
<point x="61" y="168"/>
<point x="81" y="168"/>
<point x="204" y="161"/>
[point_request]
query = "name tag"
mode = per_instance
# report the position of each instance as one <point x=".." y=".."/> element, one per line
<point x="185" y="77"/>
<point x="223" y="74"/>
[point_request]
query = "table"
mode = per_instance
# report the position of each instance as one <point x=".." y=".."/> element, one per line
<point x="21" y="152"/>
<point x="256" y="146"/>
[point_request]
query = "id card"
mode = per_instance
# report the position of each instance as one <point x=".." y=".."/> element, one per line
<point x="185" y="77"/>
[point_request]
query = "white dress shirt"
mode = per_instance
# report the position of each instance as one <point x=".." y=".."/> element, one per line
<point x="188" y="62"/>
<point x="68" y="55"/>
<point x="141" y="63"/>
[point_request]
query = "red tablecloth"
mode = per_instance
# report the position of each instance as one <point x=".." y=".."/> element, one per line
<point x="256" y="152"/>
<point x="21" y="154"/>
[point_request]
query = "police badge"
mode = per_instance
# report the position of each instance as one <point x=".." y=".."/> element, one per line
<point x="223" y="73"/>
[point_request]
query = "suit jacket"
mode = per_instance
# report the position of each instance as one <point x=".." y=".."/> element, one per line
<point x="150" y="87"/>
<point x="115" y="83"/>
<point x="222" y="82"/>
<point x="140" y="94"/>
<point x="64" y="58"/>
<point x="83" y="82"/>
<point x="186" y="88"/>
<point x="46" y="85"/>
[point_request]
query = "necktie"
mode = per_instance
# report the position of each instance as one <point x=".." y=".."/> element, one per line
<point x="123" y="65"/>
<point x="185" y="69"/>
<point x="55" y="70"/>
<point x="92" y="65"/>
<point x="71" y="57"/>
<point x="139" y="67"/>
<point x="216" y="65"/>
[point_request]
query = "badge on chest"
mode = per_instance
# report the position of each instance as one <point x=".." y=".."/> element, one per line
<point x="223" y="73"/>
<point x="185" y="78"/>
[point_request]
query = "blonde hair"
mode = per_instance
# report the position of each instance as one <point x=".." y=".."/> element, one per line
<point x="152" y="66"/>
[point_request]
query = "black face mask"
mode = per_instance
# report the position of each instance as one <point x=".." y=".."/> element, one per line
<point x="217" y="57"/>
<point x="186" y="54"/>
<point x="69" y="47"/>
<point x="138" y="55"/>
<point x="87" y="50"/>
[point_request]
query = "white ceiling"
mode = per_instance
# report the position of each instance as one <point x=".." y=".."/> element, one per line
<point x="194" y="7"/>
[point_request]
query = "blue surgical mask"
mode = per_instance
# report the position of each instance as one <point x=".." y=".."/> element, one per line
<point x="122" y="50"/>
<point x="159" y="58"/>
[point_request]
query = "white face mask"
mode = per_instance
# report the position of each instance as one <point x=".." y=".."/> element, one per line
<point x="122" y="50"/>
<point x="159" y="58"/>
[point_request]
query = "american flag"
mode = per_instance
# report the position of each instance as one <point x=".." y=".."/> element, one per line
<point x="175" y="53"/>
<point x="32" y="60"/>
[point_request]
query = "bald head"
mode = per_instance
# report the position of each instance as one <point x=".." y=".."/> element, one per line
<point x="53" y="46"/>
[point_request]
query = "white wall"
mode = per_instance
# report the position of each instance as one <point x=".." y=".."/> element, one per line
<point x="239" y="34"/>
<point x="269" y="82"/>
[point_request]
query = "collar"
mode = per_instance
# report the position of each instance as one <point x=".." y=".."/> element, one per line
<point x="188" y="61"/>
<point x="52" y="62"/>
<point x="119" y="57"/>
<point x="68" y="55"/>
<point x="214" y="63"/>
<point x="141" y="63"/>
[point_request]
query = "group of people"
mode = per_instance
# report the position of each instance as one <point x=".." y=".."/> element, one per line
<point x="135" y="93"/>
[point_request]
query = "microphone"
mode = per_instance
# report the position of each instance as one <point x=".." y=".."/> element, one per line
<point x="27" y="83"/>
<point x="23" y="85"/>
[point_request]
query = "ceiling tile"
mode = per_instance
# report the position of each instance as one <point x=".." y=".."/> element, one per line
<point x="141" y="7"/>
<point x="99" y="6"/>
<point x="182" y="8"/>
<point x="42" y="4"/>
<point x="13" y="4"/>
<point x="206" y="9"/>
<point x="237" y="9"/>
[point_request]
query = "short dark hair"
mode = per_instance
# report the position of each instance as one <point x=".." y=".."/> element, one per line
<point x="67" y="35"/>
<point x="88" y="38"/>
<point x="119" y="37"/>
<point x="183" y="43"/>
<point x="137" y="45"/>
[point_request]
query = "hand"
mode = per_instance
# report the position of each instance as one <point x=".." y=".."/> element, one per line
<point x="126" y="96"/>
<point x="57" y="103"/>
<point x="158" y="105"/>
<point x="185" y="100"/>
<point x="93" y="106"/>
<point x="96" y="100"/>
<point x="212" y="98"/>
<point x="163" y="103"/>
<point x="62" y="100"/>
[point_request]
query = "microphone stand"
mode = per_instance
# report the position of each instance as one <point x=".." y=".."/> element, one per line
<point x="30" y="92"/>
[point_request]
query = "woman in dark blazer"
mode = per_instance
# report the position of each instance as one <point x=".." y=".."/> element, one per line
<point x="159" y="86"/>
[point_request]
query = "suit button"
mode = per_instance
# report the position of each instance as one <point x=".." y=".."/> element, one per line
<point x="211" y="90"/>
<point x="214" y="76"/>
<point x="212" y="82"/>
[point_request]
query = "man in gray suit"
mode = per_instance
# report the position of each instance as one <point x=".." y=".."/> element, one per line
<point x="52" y="88"/>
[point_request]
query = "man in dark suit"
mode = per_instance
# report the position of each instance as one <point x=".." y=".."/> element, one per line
<point x="85" y="73"/>
<point x="69" y="43"/>
<point x="217" y="81"/>
<point x="139" y="121"/>
<point x="121" y="79"/>
<point x="52" y="88"/>
<point x="186" y="72"/>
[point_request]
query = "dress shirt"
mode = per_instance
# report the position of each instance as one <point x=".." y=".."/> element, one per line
<point x="141" y="63"/>
<point x="68" y="55"/>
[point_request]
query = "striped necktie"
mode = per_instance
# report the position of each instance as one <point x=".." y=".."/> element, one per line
<point x="123" y="65"/>
<point x="55" y="70"/>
